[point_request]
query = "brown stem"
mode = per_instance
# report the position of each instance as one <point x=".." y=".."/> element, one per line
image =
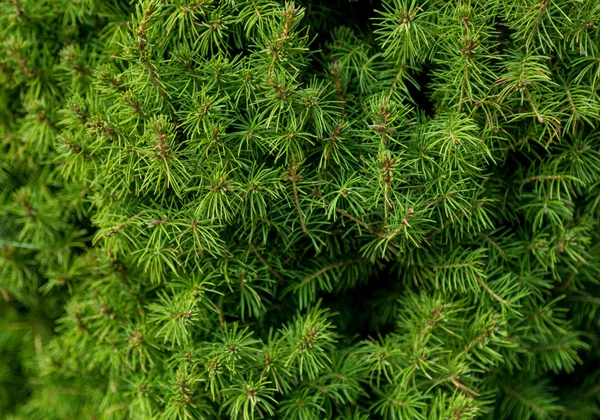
<point x="159" y="88"/>
<point x="325" y="269"/>
<point x="454" y="219"/>
<point x="354" y="219"/>
<point x="220" y="313"/>
<point x="539" y="116"/>
<point x="491" y="292"/>
<point x="451" y="266"/>
<point x="465" y="389"/>
<point x="528" y="403"/>
<point x="586" y="299"/>
<point x="18" y="10"/>
<point x="294" y="178"/>
<point x="540" y="178"/>
<point x="265" y="263"/>
<point x="580" y="263"/>
<point x="591" y="391"/>
<point x="403" y="224"/>
<point x="494" y="244"/>
<point x="478" y="340"/>
<point x="542" y="10"/>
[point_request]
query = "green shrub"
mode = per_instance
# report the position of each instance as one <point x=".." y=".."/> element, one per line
<point x="299" y="210"/>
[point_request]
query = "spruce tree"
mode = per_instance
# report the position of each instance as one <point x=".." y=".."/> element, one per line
<point x="312" y="209"/>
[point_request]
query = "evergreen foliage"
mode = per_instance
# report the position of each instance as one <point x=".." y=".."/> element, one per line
<point x="337" y="209"/>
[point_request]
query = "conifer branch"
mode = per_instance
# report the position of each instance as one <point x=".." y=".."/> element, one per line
<point x="293" y="177"/>
<point x="587" y="299"/>
<point x="535" y="408"/>
<point x="491" y="292"/>
<point x="493" y="243"/>
<point x="323" y="270"/>
<point x="155" y="162"/>
<point x="266" y="264"/>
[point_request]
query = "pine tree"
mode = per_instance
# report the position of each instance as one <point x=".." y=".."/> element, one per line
<point x="337" y="209"/>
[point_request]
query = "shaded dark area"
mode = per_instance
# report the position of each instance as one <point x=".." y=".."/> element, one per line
<point x="421" y="93"/>
<point x="367" y="310"/>
<point x="324" y="15"/>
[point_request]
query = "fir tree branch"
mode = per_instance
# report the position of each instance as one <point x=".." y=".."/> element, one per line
<point x="491" y="292"/>
<point x="535" y="408"/>
<point x="540" y="178"/>
<point x="493" y="243"/>
<point x="323" y="270"/>
<point x="453" y="219"/>
<point x="587" y="299"/>
<point x="266" y="264"/>
<point x="293" y="177"/>
<point x="454" y="380"/>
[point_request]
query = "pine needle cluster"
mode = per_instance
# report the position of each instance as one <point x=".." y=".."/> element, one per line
<point x="311" y="209"/>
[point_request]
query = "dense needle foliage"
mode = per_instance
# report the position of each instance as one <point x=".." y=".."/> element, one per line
<point x="245" y="209"/>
